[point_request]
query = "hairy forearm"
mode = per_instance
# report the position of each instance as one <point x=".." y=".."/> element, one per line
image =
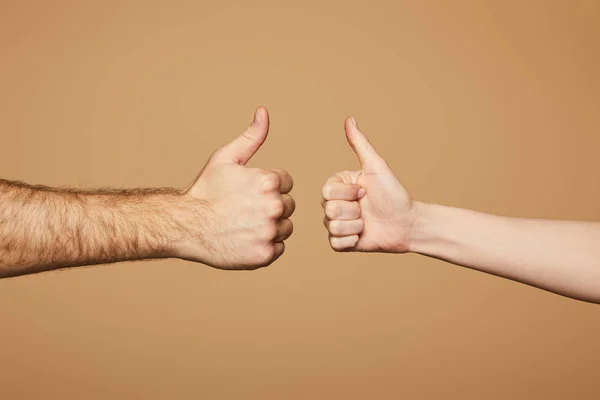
<point x="559" y="256"/>
<point x="43" y="228"/>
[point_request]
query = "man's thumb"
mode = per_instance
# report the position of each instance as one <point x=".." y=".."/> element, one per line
<point x="361" y="145"/>
<point x="241" y="149"/>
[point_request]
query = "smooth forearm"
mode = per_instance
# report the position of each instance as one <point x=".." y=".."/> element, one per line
<point x="43" y="228"/>
<point x="560" y="256"/>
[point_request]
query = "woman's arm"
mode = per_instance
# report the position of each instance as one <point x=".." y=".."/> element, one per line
<point x="369" y="210"/>
<point x="559" y="256"/>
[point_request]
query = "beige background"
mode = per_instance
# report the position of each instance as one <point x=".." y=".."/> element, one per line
<point x="488" y="105"/>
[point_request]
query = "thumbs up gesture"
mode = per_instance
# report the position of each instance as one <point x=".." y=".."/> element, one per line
<point x="369" y="209"/>
<point x="240" y="214"/>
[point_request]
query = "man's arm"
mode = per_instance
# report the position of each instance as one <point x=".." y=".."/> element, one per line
<point x="369" y="210"/>
<point x="230" y="217"/>
<point x="43" y="228"/>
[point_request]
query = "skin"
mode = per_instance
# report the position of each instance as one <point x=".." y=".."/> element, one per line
<point x="370" y="211"/>
<point x="230" y="217"/>
<point x="235" y="217"/>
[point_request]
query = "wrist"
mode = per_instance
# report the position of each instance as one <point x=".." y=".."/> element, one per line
<point x="437" y="230"/>
<point x="168" y="212"/>
<point x="189" y="217"/>
<point x="421" y="226"/>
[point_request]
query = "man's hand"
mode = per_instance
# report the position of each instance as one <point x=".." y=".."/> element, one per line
<point x="236" y="217"/>
<point x="231" y="217"/>
<point x="367" y="210"/>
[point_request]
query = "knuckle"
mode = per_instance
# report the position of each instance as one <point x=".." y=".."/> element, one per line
<point x="268" y="232"/>
<point x="270" y="181"/>
<point x="332" y="210"/>
<point x="275" y="208"/>
<point x="264" y="255"/>
<point x="327" y="191"/>
<point x="334" y="227"/>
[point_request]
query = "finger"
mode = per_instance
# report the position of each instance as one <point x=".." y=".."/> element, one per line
<point x="324" y="201"/>
<point x="343" y="243"/>
<point x="289" y="205"/>
<point x="242" y="148"/>
<point x="345" y="228"/>
<point x="284" y="230"/>
<point x="335" y="190"/>
<point x="342" y="209"/>
<point x="286" y="183"/>
<point x="279" y="250"/>
<point x="360" y="144"/>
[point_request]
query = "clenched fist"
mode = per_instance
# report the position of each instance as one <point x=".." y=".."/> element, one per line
<point x="236" y="217"/>
<point x="369" y="209"/>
